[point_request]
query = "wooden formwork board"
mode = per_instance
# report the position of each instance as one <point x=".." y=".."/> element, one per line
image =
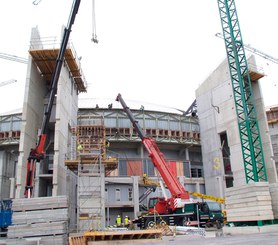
<point x="45" y="59"/>
<point x="122" y="235"/>
<point x="92" y="140"/>
<point x="77" y="240"/>
<point x="110" y="164"/>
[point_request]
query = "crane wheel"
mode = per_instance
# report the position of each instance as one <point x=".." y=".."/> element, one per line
<point x="149" y="223"/>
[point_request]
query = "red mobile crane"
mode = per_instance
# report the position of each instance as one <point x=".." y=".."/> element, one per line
<point x="178" y="209"/>
<point x="179" y="195"/>
<point x="37" y="154"/>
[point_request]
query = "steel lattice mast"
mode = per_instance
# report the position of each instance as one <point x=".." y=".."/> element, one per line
<point x="250" y="138"/>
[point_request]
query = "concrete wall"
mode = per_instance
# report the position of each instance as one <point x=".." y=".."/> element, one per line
<point x="217" y="114"/>
<point x="273" y="131"/>
<point x="7" y="170"/>
<point x="63" y="117"/>
<point x="33" y="106"/>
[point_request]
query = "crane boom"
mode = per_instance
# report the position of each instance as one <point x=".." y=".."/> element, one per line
<point x="7" y="82"/>
<point x="13" y="58"/>
<point x="251" y="144"/>
<point x="254" y="51"/>
<point x="38" y="153"/>
<point x="175" y="187"/>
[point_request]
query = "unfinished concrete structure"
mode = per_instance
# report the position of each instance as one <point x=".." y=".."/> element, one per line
<point x="52" y="177"/>
<point x="272" y="118"/>
<point x="125" y="161"/>
<point x="221" y="148"/>
<point x="102" y="183"/>
<point x="101" y="189"/>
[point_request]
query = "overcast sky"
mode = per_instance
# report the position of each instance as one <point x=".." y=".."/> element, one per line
<point x="153" y="51"/>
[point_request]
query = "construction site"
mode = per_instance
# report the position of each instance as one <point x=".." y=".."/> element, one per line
<point x="107" y="171"/>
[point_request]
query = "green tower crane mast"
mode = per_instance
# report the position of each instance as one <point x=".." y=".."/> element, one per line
<point x="251" y="144"/>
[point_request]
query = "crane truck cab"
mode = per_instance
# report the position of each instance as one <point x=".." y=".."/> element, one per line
<point x="206" y="214"/>
<point x="202" y="214"/>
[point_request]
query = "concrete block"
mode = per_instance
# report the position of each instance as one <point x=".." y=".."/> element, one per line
<point x="39" y="203"/>
<point x="261" y="186"/>
<point x="44" y="240"/>
<point x="39" y="229"/>
<point x="274" y="196"/>
<point x="249" y="203"/>
<point x="249" y="229"/>
<point x="240" y="230"/>
<point x="40" y="216"/>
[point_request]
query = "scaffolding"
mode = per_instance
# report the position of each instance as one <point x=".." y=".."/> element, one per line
<point x="91" y="203"/>
<point x="89" y="160"/>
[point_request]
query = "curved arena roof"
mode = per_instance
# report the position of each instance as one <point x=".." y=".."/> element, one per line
<point x="86" y="103"/>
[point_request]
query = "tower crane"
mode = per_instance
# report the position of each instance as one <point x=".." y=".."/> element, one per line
<point x="254" y="51"/>
<point x="7" y="82"/>
<point x="13" y="58"/>
<point x="251" y="144"/>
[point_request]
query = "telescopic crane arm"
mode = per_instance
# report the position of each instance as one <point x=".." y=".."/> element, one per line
<point x="37" y="153"/>
<point x="175" y="187"/>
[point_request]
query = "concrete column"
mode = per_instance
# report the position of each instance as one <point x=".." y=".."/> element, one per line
<point x="198" y="187"/>
<point x="136" y="195"/>
<point x="12" y="189"/>
<point x="102" y="191"/>
<point x="220" y="184"/>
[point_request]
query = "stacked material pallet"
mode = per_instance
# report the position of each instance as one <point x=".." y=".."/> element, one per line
<point x="250" y="202"/>
<point x="43" y="220"/>
<point x="148" y="235"/>
<point x="274" y="198"/>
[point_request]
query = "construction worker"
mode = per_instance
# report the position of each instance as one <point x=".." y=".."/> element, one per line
<point x="118" y="221"/>
<point x="126" y="221"/>
<point x="79" y="148"/>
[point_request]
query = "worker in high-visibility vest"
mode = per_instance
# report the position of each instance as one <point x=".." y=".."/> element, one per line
<point x="79" y="148"/>
<point x="126" y="221"/>
<point x="118" y="221"/>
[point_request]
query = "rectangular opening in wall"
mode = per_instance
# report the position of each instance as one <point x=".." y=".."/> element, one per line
<point x="130" y="194"/>
<point x="186" y="169"/>
<point x="196" y="172"/>
<point x="225" y="149"/>
<point x="229" y="182"/>
<point x="118" y="194"/>
<point x="106" y="194"/>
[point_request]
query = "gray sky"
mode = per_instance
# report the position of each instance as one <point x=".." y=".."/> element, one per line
<point x="154" y="51"/>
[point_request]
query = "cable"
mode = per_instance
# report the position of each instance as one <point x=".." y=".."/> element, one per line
<point x="36" y="2"/>
<point x="94" y="29"/>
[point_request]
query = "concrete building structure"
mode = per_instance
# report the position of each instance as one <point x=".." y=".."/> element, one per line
<point x="99" y="188"/>
<point x="272" y="118"/>
<point x="51" y="175"/>
<point x="95" y="190"/>
<point x="221" y="146"/>
<point x="177" y="136"/>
